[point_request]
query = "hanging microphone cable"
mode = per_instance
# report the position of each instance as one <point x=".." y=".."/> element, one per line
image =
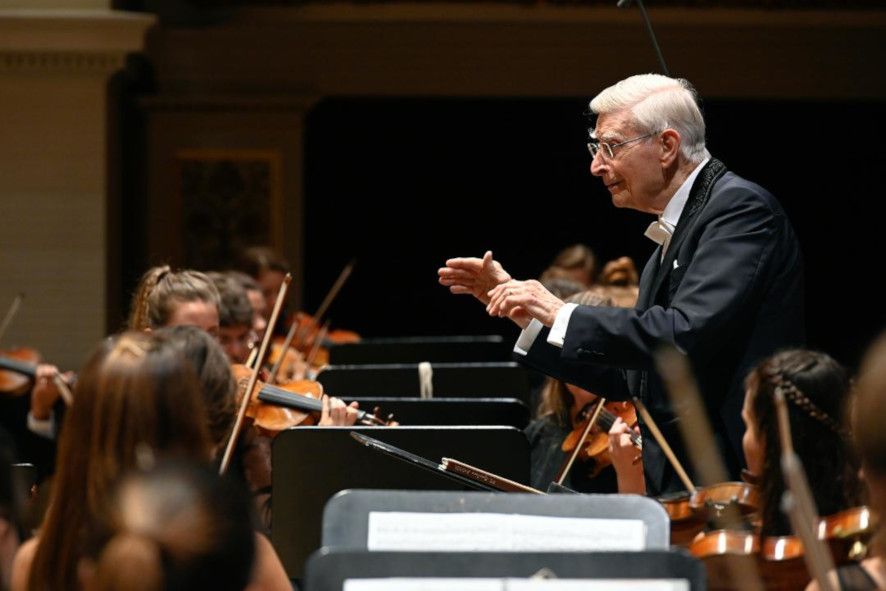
<point x="649" y="31"/>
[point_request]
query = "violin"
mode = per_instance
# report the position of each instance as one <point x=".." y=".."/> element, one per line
<point x="780" y="559"/>
<point x="596" y="445"/>
<point x="282" y="396"/>
<point x="19" y="368"/>
<point x="313" y="339"/>
<point x="308" y="331"/>
<point x="784" y="561"/>
<point x="305" y="349"/>
<point x="298" y="403"/>
<point x="712" y="500"/>
<point x="691" y="512"/>
<point x="288" y="362"/>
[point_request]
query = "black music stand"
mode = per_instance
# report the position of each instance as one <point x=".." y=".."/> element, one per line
<point x="450" y="380"/>
<point x="311" y="464"/>
<point x="458" y="349"/>
<point x="509" y="412"/>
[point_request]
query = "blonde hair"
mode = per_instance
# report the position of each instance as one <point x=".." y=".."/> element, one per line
<point x="161" y="289"/>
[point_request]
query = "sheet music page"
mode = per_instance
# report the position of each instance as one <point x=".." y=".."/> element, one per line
<point x="595" y="585"/>
<point x="490" y="584"/>
<point x="498" y="532"/>
<point x="423" y="584"/>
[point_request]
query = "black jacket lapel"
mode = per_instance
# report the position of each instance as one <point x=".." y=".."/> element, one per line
<point x="698" y="197"/>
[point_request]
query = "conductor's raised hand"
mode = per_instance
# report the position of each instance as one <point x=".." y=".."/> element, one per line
<point x="470" y="275"/>
<point x="518" y="300"/>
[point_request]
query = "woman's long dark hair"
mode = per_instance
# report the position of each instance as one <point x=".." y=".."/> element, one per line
<point x="816" y="390"/>
<point x="137" y="394"/>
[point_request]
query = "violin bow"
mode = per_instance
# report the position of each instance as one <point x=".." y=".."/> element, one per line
<point x="63" y="389"/>
<point x="297" y="332"/>
<point x="10" y="314"/>
<point x="673" y="367"/>
<point x="290" y="334"/>
<point x="57" y="379"/>
<point x="798" y="502"/>
<point x="321" y="336"/>
<point x="253" y="378"/>
<point x="333" y="291"/>
<point x="665" y="447"/>
<point x="564" y="471"/>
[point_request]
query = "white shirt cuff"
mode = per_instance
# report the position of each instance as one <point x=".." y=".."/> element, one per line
<point x="527" y="337"/>
<point x="44" y="428"/>
<point x="561" y="323"/>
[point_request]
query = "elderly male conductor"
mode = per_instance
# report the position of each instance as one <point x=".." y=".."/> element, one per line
<point x="724" y="285"/>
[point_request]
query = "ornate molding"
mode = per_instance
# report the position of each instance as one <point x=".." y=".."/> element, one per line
<point x="58" y="62"/>
<point x="69" y="41"/>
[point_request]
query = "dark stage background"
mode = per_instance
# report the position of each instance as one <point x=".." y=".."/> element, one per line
<point x="402" y="184"/>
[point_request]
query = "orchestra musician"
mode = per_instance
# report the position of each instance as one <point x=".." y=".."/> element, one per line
<point x="559" y="411"/>
<point x="235" y="318"/>
<point x="136" y="398"/>
<point x="268" y="268"/>
<point x="868" y="420"/>
<point x="817" y="391"/>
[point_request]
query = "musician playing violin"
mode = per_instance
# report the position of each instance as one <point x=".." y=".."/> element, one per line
<point x="136" y="398"/>
<point x="162" y="298"/>
<point x="869" y="433"/>
<point x="165" y="297"/>
<point x="562" y="410"/>
<point x="257" y="300"/>
<point x="253" y="456"/>
<point x="817" y="390"/>
<point x="268" y="268"/>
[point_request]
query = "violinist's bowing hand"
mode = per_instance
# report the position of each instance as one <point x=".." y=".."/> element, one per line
<point x="470" y="275"/>
<point x="45" y="392"/>
<point x="523" y="300"/>
<point x="626" y="459"/>
<point x="336" y="413"/>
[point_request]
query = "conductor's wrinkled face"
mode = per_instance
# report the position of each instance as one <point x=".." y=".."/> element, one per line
<point x="628" y="161"/>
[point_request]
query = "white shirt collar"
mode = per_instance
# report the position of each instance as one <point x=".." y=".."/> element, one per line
<point x="674" y="209"/>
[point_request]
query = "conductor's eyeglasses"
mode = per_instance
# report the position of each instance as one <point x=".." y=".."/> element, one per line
<point x="609" y="149"/>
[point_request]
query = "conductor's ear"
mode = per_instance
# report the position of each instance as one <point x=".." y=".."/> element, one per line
<point x="670" y="141"/>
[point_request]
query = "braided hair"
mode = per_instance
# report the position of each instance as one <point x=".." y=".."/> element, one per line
<point x="161" y="289"/>
<point x="816" y="389"/>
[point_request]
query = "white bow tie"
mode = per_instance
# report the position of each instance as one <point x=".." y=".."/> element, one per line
<point x="660" y="232"/>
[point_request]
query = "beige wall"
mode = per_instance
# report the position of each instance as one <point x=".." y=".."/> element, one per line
<point x="54" y="68"/>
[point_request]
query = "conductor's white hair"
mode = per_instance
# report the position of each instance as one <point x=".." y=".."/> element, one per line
<point x="658" y="103"/>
